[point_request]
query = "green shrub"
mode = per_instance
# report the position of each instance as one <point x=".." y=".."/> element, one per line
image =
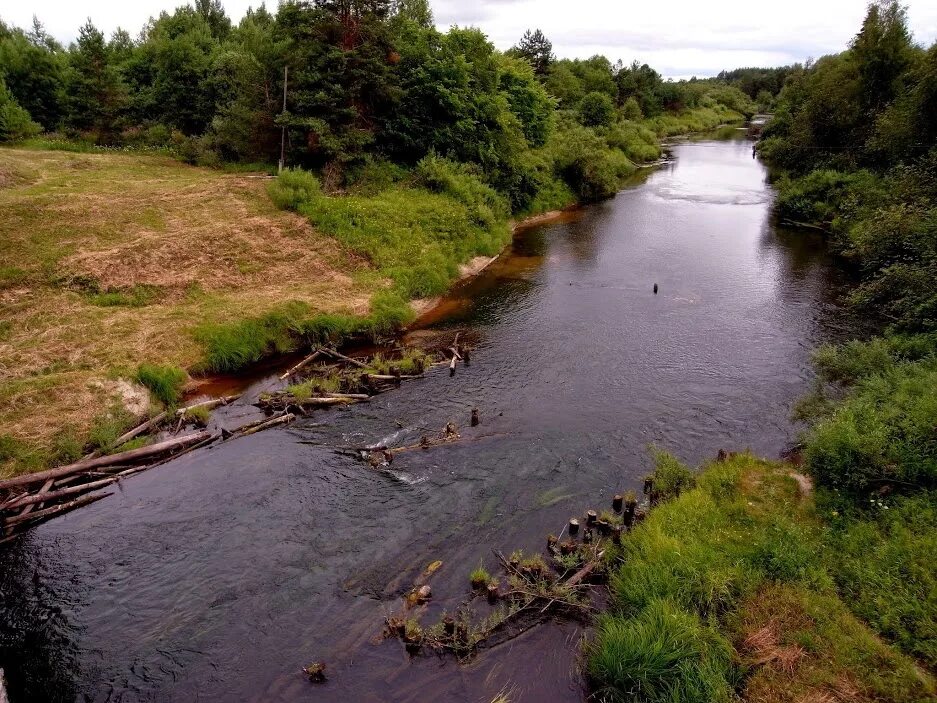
<point x="294" y="187"/>
<point x="596" y="109"/>
<point x="232" y="346"/>
<point x="164" y="382"/>
<point x="882" y="433"/>
<point x="459" y="181"/>
<point x="671" y="477"/>
<point x="15" y="121"/>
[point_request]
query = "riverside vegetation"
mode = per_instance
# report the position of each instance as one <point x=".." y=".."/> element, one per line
<point x="745" y="583"/>
<point x="135" y="233"/>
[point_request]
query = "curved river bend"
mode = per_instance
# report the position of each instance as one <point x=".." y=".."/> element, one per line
<point x="218" y="576"/>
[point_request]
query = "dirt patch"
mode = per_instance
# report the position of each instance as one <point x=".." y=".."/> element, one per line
<point x="804" y="483"/>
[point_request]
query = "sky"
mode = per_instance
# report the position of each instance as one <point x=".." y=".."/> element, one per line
<point x="679" y="38"/>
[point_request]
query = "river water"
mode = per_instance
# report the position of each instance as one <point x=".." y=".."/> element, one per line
<point x="218" y="576"/>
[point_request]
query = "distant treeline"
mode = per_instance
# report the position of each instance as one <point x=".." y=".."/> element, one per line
<point x="367" y="80"/>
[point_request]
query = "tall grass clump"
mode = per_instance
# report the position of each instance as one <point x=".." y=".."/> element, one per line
<point x="663" y="654"/>
<point x="463" y="182"/>
<point x="293" y="187"/>
<point x="232" y="346"/>
<point x="165" y="382"/>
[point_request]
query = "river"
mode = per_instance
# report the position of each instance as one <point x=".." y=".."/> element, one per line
<point x="219" y="575"/>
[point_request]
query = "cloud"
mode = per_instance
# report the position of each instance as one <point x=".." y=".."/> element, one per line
<point x="676" y="37"/>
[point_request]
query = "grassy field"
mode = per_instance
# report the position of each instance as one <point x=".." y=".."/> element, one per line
<point x="108" y="261"/>
<point x="740" y="586"/>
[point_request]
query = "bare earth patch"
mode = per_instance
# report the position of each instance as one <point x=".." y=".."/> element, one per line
<point x="209" y="247"/>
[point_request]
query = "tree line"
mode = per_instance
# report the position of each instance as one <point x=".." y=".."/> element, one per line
<point x="365" y="81"/>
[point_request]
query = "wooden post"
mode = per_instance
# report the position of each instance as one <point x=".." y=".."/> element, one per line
<point x="475" y="419"/>
<point x="648" y="484"/>
<point x="628" y="517"/>
<point x="591" y="517"/>
<point x="286" y="73"/>
<point x="655" y="289"/>
<point x="617" y="503"/>
<point x="573" y="527"/>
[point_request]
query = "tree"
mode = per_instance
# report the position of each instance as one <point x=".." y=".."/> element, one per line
<point x="537" y="50"/>
<point x="596" y="110"/>
<point x="883" y="53"/>
<point x="95" y="94"/>
<point x="32" y="65"/>
<point x="416" y="11"/>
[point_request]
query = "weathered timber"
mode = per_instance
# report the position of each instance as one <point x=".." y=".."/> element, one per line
<point x="132" y="455"/>
<point x="301" y="365"/>
<point x="339" y="355"/>
<point x="42" y="497"/>
<point x="57" y="510"/>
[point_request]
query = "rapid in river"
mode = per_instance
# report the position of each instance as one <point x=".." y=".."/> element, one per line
<point x="219" y="575"/>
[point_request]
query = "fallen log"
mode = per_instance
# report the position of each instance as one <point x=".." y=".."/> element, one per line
<point x="259" y="427"/>
<point x="208" y="404"/>
<point x="57" y="510"/>
<point x="120" y="458"/>
<point x="301" y="365"/>
<point x="350" y="396"/>
<point x="584" y="572"/>
<point x="138" y="430"/>
<point x="385" y="377"/>
<point x="339" y="355"/>
<point x="42" y="497"/>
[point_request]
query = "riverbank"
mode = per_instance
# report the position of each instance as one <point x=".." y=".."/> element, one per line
<point x="113" y="261"/>
<point x="735" y="586"/>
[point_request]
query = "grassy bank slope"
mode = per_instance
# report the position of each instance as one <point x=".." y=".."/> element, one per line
<point x="731" y="589"/>
<point x="108" y="261"/>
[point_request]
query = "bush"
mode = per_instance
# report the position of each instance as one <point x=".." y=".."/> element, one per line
<point x="164" y="382"/>
<point x="882" y="433"/>
<point x="294" y="187"/>
<point x="596" y="109"/>
<point x="671" y="477"/>
<point x="232" y="346"/>
<point x="463" y="184"/>
<point x="15" y="122"/>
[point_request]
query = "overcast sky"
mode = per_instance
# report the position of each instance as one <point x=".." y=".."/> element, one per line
<point x="679" y="38"/>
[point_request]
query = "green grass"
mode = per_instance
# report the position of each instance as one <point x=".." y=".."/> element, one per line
<point x="135" y="297"/>
<point x="688" y="585"/>
<point x="165" y="382"/>
<point x="229" y="347"/>
<point x="883" y="561"/>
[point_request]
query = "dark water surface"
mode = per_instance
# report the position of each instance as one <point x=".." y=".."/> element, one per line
<point x="218" y="576"/>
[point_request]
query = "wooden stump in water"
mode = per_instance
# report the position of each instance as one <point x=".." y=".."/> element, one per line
<point x="617" y="503"/>
<point x="448" y="625"/>
<point x="591" y="517"/>
<point x="315" y="672"/>
<point x="493" y="592"/>
<point x="648" y="485"/>
<point x="475" y="419"/>
<point x="467" y="356"/>
<point x="655" y="289"/>
<point x="630" y="507"/>
<point x="573" y="527"/>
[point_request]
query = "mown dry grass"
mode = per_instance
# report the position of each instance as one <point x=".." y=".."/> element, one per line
<point x="206" y="247"/>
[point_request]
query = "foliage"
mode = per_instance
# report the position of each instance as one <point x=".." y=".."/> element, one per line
<point x="537" y="50"/>
<point x="164" y="382"/>
<point x="882" y="563"/>
<point x="596" y="110"/>
<point x="15" y="122"/>
<point x="671" y="478"/>
<point x="690" y="585"/>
